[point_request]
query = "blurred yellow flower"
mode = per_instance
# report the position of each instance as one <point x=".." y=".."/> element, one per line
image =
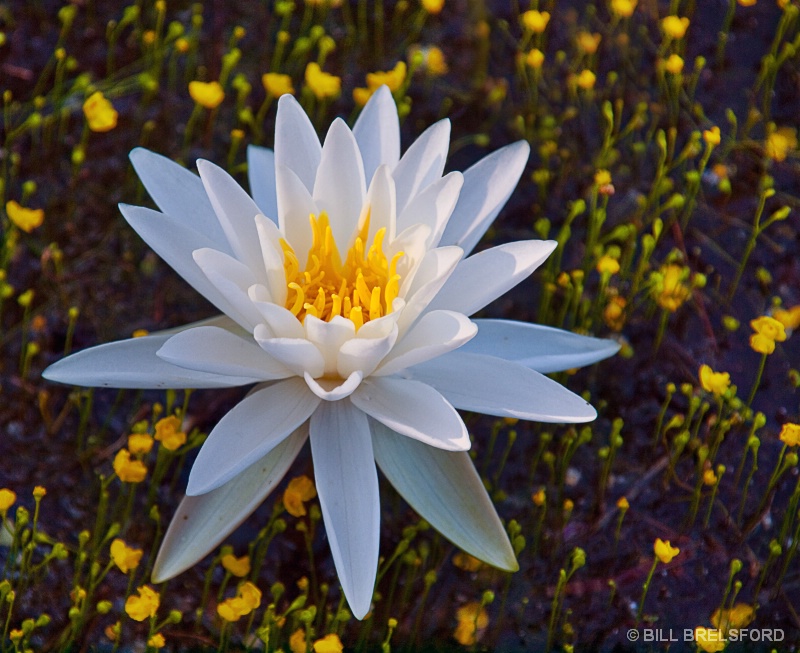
<point x="588" y="42"/>
<point x="466" y="562"/>
<point x="124" y="556"/>
<point x="586" y="79"/>
<point x="239" y="567"/>
<point x="140" y="443"/>
<point x="361" y="95"/>
<point x="790" y="434"/>
<point x="144" y="605"/>
<point x="535" y="58"/>
<point x="329" y="644"/>
<point x="709" y="640"/>
<point x="169" y="434"/>
<point x="674" y="64"/>
<point x="247" y="599"/>
<point x="157" y="641"/>
<point x="622" y="503"/>
<point x="614" y="312"/>
<point x="747" y="3"/>
<point x="392" y="78"/>
<point x="299" y="490"/>
<point x="539" y="497"/>
<point x="434" y="61"/>
<point x="297" y="641"/>
<point x="714" y="382"/>
<point x="100" y="113"/>
<point x="623" y="8"/>
<point x="788" y="317"/>
<point x="607" y="265"/>
<point x="664" y="551"/>
<point x="769" y="327"/>
<point x="712" y="136"/>
<point x="25" y="219"/>
<point x="39" y="491"/>
<point x="433" y="6"/>
<point x="740" y="615"/>
<point x="323" y="85"/>
<point x="669" y="288"/>
<point x="471" y="618"/>
<point x="761" y="344"/>
<point x="709" y="477"/>
<point x="602" y="177"/>
<point x="277" y="84"/>
<point x="129" y="471"/>
<point x="780" y="142"/>
<point x="7" y="499"/>
<point x="675" y="27"/>
<point x="535" y="21"/>
<point x="207" y="94"/>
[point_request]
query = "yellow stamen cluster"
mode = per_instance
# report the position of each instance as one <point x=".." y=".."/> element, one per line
<point x="360" y="289"/>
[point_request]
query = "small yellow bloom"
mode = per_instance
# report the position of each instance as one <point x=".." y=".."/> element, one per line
<point x="535" y="58"/>
<point x="169" y="434"/>
<point x="586" y="79"/>
<point x="207" y="94"/>
<point x="714" y="382"/>
<point x="248" y="598"/>
<point x="39" y="491"/>
<point x="182" y="45"/>
<point x="299" y="490"/>
<point x="433" y="61"/>
<point x="675" y="27"/>
<point x="709" y="640"/>
<point x="466" y="562"/>
<point x="100" y="113"/>
<point x="157" y="641"/>
<point x="323" y="85"/>
<point x="229" y="611"/>
<point x="536" y="21"/>
<point x="588" y="42"/>
<point x="664" y="551"/>
<point x="670" y="290"/>
<point x="614" y="313"/>
<point x="539" y="497"/>
<point x="393" y="78"/>
<point x="297" y="641"/>
<point x="239" y="567"/>
<point x="124" y="556"/>
<point x="144" y="605"/>
<point x="607" y="265"/>
<point x="769" y="327"/>
<point x="780" y="142"/>
<point x="762" y="344"/>
<point x="622" y="503"/>
<point x="7" y="499"/>
<point x="433" y="6"/>
<point x="747" y="3"/>
<point x="140" y="333"/>
<point x="140" y="443"/>
<point x="709" y="477"/>
<point x="329" y="644"/>
<point x="112" y="631"/>
<point x="471" y="618"/>
<point x="277" y="84"/>
<point x="674" y="64"/>
<point x="602" y="177"/>
<point x="790" y="434"/>
<point x="129" y="471"/>
<point x="788" y="317"/>
<point x="623" y="8"/>
<point x="361" y="95"/>
<point x="740" y="615"/>
<point x="712" y="136"/>
<point x="25" y="219"/>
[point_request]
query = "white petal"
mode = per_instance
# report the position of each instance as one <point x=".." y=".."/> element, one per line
<point x="280" y="321"/>
<point x="364" y="354"/>
<point x="483" y="277"/>
<point x="435" y="334"/>
<point x="236" y="212"/>
<point x="380" y="206"/>
<point x="329" y="337"/>
<point x="413" y="409"/>
<point x="201" y="523"/>
<point x="178" y="193"/>
<point x="261" y="175"/>
<point x="174" y="242"/>
<point x="248" y="432"/>
<point x="433" y="207"/>
<point x="377" y="132"/>
<point x="340" y="188"/>
<point x="423" y="162"/>
<point x="444" y="488"/>
<point x="347" y="484"/>
<point x="493" y="386"/>
<point x="487" y="186"/>
<point x="294" y="208"/>
<point x="298" y="354"/>
<point x="218" y="351"/>
<point x="541" y="348"/>
<point x="333" y="389"/>
<point x="296" y="143"/>
<point x="269" y="239"/>
<point x="232" y="279"/>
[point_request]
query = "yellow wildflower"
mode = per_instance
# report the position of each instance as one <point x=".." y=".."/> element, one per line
<point x="709" y="640"/>
<point x="433" y="61"/>
<point x="129" y="471"/>
<point x="250" y="595"/>
<point x="607" y="265"/>
<point x="712" y="136"/>
<point x="39" y="491"/>
<point x="535" y="21"/>
<point x="675" y="27"/>
<point x="664" y="551"/>
<point x="535" y="58"/>
<point x="140" y="333"/>
<point x="586" y="79"/>
<point x="769" y="327"/>
<point x="299" y="490"/>
<point x="124" y="556"/>
<point x="247" y="599"/>
<point x="207" y="94"/>
<point x="277" y="84"/>
<point x="433" y="6"/>
<point x="466" y="562"/>
<point x="100" y="113"/>
<point x="471" y="618"/>
<point x="788" y="317"/>
<point x="112" y="631"/>
<point x="140" y="443"/>
<point x="157" y="641"/>
<point x="602" y="177"/>
<point x="229" y="610"/>
<point x="674" y="64"/>
<point x="622" y="503"/>
<point x="790" y="434"/>
<point x="169" y="434"/>
<point x="25" y="219"/>
<point x="297" y="641"/>
<point x="182" y="45"/>
<point x="588" y="42"/>
<point x="323" y="85"/>
<point x="239" y="567"/>
<point x="361" y="95"/>
<point x="329" y="644"/>
<point x="740" y="615"/>
<point x="670" y="290"/>
<point x="144" y="605"/>
<point x="761" y="344"/>
<point x="714" y="382"/>
<point x="393" y="78"/>
<point x="709" y="477"/>
<point x="780" y="142"/>
<point x="623" y="8"/>
<point x="614" y="313"/>
<point x="7" y="499"/>
<point x="747" y="3"/>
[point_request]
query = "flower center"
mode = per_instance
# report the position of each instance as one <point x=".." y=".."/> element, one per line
<point x="360" y="289"/>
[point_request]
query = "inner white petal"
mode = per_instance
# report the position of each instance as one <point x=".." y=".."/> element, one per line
<point x="334" y="389"/>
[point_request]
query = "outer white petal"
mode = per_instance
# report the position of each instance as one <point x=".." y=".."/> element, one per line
<point x="377" y="132"/>
<point x="433" y="207"/>
<point x="487" y="186"/>
<point x="236" y="212"/>
<point x="253" y="428"/>
<point x="269" y="239"/>
<point x="296" y="143"/>
<point x="444" y="488"/>
<point x="178" y="193"/>
<point x="232" y="279"/>
<point x="422" y="163"/>
<point x="347" y="483"/>
<point x="541" y="348"/>
<point x="174" y="242"/>
<point x="413" y="409"/>
<point x="493" y="386"/>
<point x="340" y="188"/>
<point x="298" y="354"/>
<point x="218" y="351"/>
<point x="483" y="277"/>
<point x="261" y="175"/>
<point x="295" y="205"/>
<point x="435" y="334"/>
<point x="201" y="523"/>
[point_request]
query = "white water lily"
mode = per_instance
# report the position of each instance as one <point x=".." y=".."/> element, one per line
<point x="353" y="324"/>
